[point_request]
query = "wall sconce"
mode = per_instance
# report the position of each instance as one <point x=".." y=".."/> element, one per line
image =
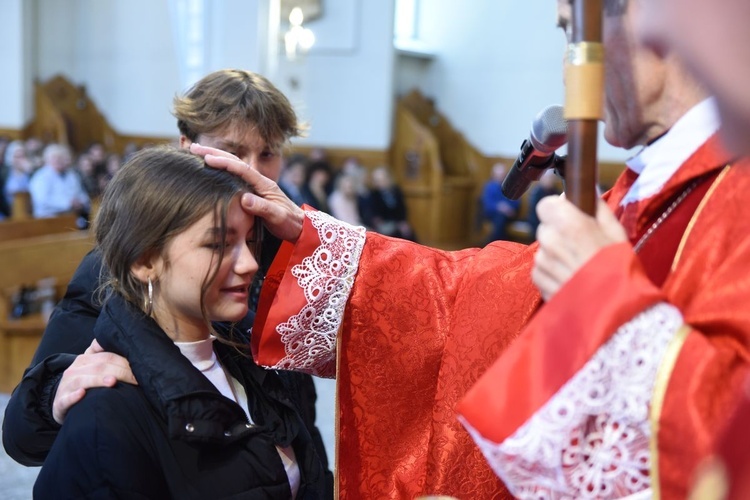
<point x="297" y="39"/>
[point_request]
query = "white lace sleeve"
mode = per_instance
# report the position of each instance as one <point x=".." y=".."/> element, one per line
<point x="326" y="277"/>
<point x="591" y="439"/>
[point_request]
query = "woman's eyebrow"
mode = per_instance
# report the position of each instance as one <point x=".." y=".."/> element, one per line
<point x="215" y="231"/>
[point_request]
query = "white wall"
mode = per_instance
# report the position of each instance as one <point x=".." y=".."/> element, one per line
<point x="496" y="64"/>
<point x="344" y="85"/>
<point x="17" y="55"/>
<point x="124" y="52"/>
<point x="237" y="29"/>
<point x="121" y="50"/>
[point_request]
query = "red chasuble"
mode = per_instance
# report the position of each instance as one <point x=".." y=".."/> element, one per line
<point x="618" y="384"/>
<point x="406" y="330"/>
<point x="726" y="473"/>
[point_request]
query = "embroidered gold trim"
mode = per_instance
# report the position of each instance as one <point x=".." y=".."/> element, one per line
<point x="695" y="216"/>
<point x="657" y="401"/>
<point x="337" y="417"/>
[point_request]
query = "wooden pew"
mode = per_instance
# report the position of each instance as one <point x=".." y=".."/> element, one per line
<point x="30" y="228"/>
<point x="25" y="262"/>
<point x="21" y="209"/>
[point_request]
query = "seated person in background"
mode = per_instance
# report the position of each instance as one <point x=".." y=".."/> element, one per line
<point x="317" y="185"/>
<point x="385" y="209"/>
<point x="19" y="171"/>
<point x="344" y="201"/>
<point x="56" y="188"/>
<point x="547" y="185"/>
<point x="354" y="169"/>
<point x="319" y="155"/>
<point x="4" y="207"/>
<point x="105" y="173"/>
<point x="130" y="149"/>
<point x="85" y="168"/>
<point x="4" y="143"/>
<point x="98" y="155"/>
<point x="496" y="208"/>
<point x="205" y="421"/>
<point x="35" y="152"/>
<point x="292" y="180"/>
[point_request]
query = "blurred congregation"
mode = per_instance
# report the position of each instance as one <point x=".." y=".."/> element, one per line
<point x="46" y="180"/>
<point x="50" y="179"/>
<point x="43" y="179"/>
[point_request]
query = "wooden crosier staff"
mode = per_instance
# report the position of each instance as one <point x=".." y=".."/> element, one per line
<point x="584" y="101"/>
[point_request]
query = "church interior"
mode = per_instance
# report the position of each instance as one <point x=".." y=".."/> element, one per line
<point x="434" y="92"/>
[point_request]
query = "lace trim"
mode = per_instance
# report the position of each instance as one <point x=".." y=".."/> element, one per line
<point x="326" y="277"/>
<point x="591" y="440"/>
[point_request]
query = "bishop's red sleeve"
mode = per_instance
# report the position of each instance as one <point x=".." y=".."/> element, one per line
<point x="616" y="386"/>
<point x="304" y="295"/>
<point x="407" y="330"/>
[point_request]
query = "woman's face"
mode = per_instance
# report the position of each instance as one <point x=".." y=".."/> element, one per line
<point x="189" y="258"/>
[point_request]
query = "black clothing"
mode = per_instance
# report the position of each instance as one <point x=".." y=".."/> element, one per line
<point x="386" y="205"/>
<point x="537" y="193"/>
<point x="174" y="435"/>
<point x="384" y="210"/>
<point x="29" y="429"/>
<point x="4" y="206"/>
<point x="293" y="193"/>
<point x="301" y="385"/>
<point x="317" y="203"/>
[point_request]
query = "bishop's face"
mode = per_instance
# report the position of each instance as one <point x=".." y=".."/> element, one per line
<point x="634" y="79"/>
<point x="713" y="40"/>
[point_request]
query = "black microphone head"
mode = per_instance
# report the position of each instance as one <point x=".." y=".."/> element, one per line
<point x="549" y="131"/>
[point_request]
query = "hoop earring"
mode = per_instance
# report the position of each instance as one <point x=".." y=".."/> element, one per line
<point x="150" y="300"/>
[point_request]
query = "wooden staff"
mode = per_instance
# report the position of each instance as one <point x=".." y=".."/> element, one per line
<point x="584" y="101"/>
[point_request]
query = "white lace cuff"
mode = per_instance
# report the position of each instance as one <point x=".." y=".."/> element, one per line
<point x="591" y="439"/>
<point x="326" y="277"/>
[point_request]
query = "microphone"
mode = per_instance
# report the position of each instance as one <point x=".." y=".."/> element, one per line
<point x="549" y="131"/>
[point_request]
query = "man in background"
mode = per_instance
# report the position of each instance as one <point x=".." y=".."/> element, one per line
<point x="56" y="188"/>
<point x="496" y="207"/>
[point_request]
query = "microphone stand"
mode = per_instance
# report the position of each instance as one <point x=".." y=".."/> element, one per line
<point x="584" y="102"/>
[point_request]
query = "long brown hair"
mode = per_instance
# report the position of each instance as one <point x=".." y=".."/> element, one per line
<point x="155" y="196"/>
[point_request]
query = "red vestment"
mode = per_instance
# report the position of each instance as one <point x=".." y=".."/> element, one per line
<point x="663" y="364"/>
<point x="407" y="330"/>
<point x="418" y="329"/>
